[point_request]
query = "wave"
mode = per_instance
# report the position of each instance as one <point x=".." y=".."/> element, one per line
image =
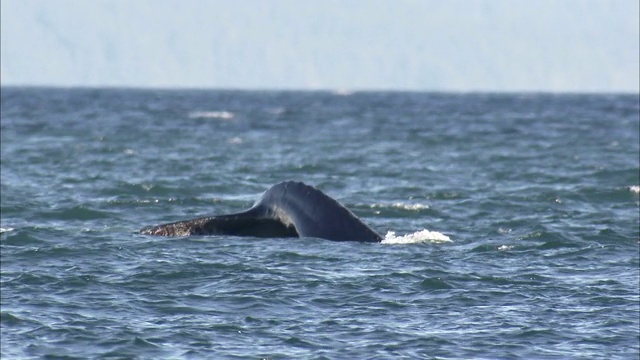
<point x="224" y="115"/>
<point x="235" y="140"/>
<point x="416" y="237"/>
<point x="7" y="229"/>
<point x="400" y="205"/>
<point x="635" y="189"/>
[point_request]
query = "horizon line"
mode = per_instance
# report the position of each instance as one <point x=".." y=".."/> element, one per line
<point x="337" y="91"/>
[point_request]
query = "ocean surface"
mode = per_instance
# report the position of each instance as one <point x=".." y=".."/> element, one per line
<point x="511" y="224"/>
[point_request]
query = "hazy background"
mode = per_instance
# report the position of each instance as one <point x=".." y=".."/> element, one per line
<point x="468" y="45"/>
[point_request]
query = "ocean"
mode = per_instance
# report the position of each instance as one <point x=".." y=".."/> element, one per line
<point x="511" y="225"/>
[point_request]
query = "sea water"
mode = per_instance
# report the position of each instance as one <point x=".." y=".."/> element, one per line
<point x="511" y="225"/>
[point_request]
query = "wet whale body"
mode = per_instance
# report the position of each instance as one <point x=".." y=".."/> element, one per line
<point x="287" y="209"/>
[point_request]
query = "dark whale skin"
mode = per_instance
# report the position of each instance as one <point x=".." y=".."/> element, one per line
<point x="287" y="209"/>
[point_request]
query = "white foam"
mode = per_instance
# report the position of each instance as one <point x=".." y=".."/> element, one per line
<point x="224" y="115"/>
<point x="3" y="230"/>
<point x="416" y="237"/>
<point x="235" y="140"/>
<point x="404" y="206"/>
<point x="502" y="230"/>
<point x="635" y="189"/>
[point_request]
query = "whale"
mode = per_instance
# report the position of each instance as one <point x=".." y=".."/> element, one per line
<point x="288" y="209"/>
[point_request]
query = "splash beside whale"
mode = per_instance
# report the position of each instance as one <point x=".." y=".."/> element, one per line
<point x="287" y="209"/>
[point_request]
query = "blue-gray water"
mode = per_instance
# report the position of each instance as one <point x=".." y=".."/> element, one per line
<point x="538" y="194"/>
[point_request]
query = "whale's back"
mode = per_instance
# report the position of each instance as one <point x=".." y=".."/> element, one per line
<point x="313" y="214"/>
